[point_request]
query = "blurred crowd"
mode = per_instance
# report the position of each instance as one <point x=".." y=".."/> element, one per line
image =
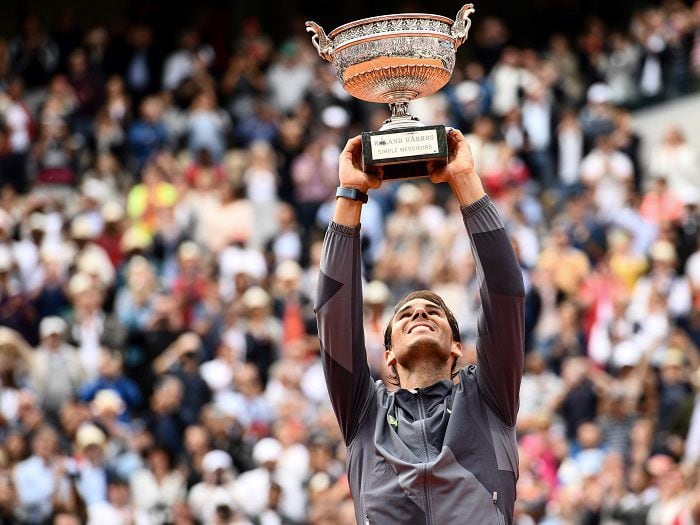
<point x="161" y="217"/>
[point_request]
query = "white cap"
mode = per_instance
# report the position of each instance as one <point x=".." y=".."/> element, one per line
<point x="79" y="283"/>
<point x="599" y="93"/>
<point x="690" y="196"/>
<point x="37" y="221"/>
<point x="89" y="434"/>
<point x="112" y="212"/>
<point x="189" y="250"/>
<point x="408" y="193"/>
<point x="376" y="292"/>
<point x="335" y="117"/>
<point x="663" y="251"/>
<point x="108" y="400"/>
<point x="267" y="449"/>
<point x="216" y="460"/>
<point x="216" y="374"/>
<point x="52" y="325"/>
<point x="288" y="270"/>
<point x="626" y="353"/>
<point x="255" y="297"/>
<point x="81" y="228"/>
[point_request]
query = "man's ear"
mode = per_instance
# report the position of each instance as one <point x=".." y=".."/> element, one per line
<point x="390" y="358"/>
<point x="456" y="349"/>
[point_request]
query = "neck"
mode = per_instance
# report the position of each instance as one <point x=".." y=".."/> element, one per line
<point x="425" y="375"/>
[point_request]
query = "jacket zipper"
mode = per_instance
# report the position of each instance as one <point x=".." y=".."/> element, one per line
<point x="426" y="477"/>
<point x="494" y="498"/>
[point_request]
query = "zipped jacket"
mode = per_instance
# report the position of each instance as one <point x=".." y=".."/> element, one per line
<point x="446" y="453"/>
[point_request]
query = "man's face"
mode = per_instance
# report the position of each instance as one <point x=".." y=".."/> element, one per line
<point x="420" y="333"/>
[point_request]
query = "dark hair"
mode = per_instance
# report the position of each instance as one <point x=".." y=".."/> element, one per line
<point x="451" y="319"/>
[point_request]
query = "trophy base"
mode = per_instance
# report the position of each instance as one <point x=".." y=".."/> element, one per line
<point x="404" y="153"/>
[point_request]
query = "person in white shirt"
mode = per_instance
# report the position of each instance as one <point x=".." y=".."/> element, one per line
<point x="676" y="161"/>
<point x="216" y="489"/>
<point x="609" y="172"/>
<point x="252" y="489"/>
<point x="39" y="480"/>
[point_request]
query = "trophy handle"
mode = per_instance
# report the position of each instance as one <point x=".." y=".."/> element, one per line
<point x="460" y="29"/>
<point x="321" y="42"/>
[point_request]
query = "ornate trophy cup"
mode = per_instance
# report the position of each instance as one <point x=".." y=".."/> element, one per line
<point x="395" y="59"/>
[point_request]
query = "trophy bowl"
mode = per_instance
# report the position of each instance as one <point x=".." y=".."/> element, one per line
<point x="394" y="59"/>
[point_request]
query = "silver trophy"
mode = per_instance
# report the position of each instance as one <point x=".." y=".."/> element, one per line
<point x="395" y="59"/>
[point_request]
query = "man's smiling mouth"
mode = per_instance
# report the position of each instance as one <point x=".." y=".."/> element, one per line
<point x="420" y="325"/>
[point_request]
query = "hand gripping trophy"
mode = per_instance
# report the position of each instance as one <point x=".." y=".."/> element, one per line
<point x="395" y="59"/>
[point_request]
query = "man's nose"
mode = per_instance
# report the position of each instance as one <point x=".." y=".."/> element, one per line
<point x="419" y="312"/>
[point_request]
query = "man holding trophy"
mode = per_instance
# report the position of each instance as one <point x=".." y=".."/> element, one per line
<point x="437" y="450"/>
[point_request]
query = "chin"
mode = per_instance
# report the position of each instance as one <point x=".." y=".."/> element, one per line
<point x="427" y="342"/>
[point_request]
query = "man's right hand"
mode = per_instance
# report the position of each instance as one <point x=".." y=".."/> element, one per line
<point x="350" y="168"/>
<point x="459" y="172"/>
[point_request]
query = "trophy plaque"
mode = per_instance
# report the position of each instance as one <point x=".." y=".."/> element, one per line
<point x="394" y="59"/>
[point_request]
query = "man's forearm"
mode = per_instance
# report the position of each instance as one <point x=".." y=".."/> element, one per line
<point x="467" y="188"/>
<point x="347" y="212"/>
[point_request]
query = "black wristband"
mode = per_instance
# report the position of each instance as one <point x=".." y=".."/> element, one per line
<point x="351" y="193"/>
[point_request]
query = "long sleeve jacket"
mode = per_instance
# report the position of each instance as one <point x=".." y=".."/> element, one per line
<point x="441" y="454"/>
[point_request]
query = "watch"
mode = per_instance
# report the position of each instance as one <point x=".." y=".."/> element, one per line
<point x="351" y="193"/>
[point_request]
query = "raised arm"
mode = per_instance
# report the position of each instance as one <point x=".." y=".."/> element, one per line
<point x="500" y="327"/>
<point x="339" y="301"/>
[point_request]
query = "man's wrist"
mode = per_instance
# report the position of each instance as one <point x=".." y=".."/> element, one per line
<point x="352" y="193"/>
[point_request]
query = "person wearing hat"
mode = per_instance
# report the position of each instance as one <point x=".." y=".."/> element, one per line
<point x="432" y="451"/>
<point x="89" y="326"/>
<point x="291" y="304"/>
<point x="90" y="256"/>
<point x="110" y="240"/>
<point x="377" y="313"/>
<point x="662" y="285"/>
<point x="253" y="488"/>
<point x="26" y="250"/>
<point x="92" y="471"/>
<point x="262" y="330"/>
<point x="56" y="372"/>
<point x="216" y="488"/>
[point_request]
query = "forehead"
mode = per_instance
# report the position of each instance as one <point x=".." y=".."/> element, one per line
<point x="417" y="302"/>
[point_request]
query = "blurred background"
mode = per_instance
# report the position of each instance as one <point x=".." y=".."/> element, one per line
<point x="167" y="172"/>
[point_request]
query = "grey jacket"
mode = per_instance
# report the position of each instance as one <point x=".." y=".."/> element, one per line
<point x="446" y="453"/>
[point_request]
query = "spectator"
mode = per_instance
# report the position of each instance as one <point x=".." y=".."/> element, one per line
<point x="56" y="370"/>
<point x="206" y="126"/>
<point x="157" y="487"/>
<point x="146" y="136"/>
<point x="608" y="173"/>
<point x="216" y="489"/>
<point x="252" y="488"/>
<point x="40" y="480"/>
<point x="289" y="78"/>
<point x="180" y="65"/>
<point x="17" y="132"/>
<point x="111" y="378"/>
<point x="676" y="162"/>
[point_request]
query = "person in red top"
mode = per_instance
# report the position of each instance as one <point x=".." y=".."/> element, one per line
<point x="660" y="204"/>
